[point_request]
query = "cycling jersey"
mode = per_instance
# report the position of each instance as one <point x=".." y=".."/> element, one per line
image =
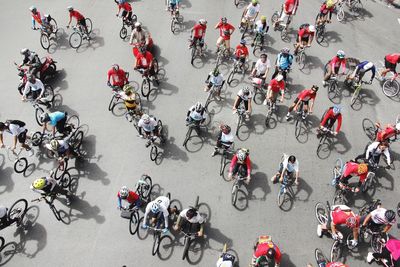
<point x="331" y="116"/>
<point x="246" y="162"/>
<point x="363" y="68"/>
<point x="284" y="61"/>
<point x="195" y="219"/>
<point x="174" y="2"/>
<point x="243" y="96"/>
<point x="197" y="116"/>
<point x="33" y="87"/>
<point x="118" y="77"/>
<point x="264" y="244"/>
<point x="290" y="167"/>
<point x="378" y="217"/>
<point x="241" y="50"/>
<point x="225" y="30"/>
<point x="125" y="6"/>
<point x="306" y="95"/>
<point x="290" y="6"/>
<point x="131" y="198"/>
<point x="149" y="127"/>
<point x="276" y="86"/>
<point x="261" y="27"/>
<point x="129" y="101"/>
<point x="305" y="33"/>
<point x="337" y="62"/>
<point x="325" y="9"/>
<point x="199" y="31"/>
<point x="393" y="58"/>
<point x="226" y="260"/>
<point x="226" y="138"/>
<point x="75" y="14"/>
<point x="351" y="169"/>
<point x="163" y="203"/>
<point x="14" y="129"/>
<point x="336" y="264"/>
<point x="143" y="61"/>
<point x="252" y="11"/>
<point x="374" y="150"/>
<point x="340" y="214"/>
<point x="39" y="18"/>
<point x="31" y="58"/>
<point x="216" y="80"/>
<point x="56" y="117"/>
<point x="138" y="36"/>
<point x="261" y="67"/>
<point x="63" y="146"/>
<point x="387" y="133"/>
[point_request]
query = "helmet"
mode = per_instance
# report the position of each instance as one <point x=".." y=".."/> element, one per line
<point x="46" y="16"/>
<point x="263" y="18"/>
<point x="351" y="222"/>
<point x="24" y="51"/>
<point x="198" y="107"/>
<point x="32" y="8"/>
<point x="292" y="159"/>
<point x="340" y="54"/>
<point x="246" y="90"/>
<point x="243" y="42"/>
<point x="390" y="215"/>
<point x="202" y="21"/>
<point x="54" y="144"/>
<point x="138" y="24"/>
<point x="44" y="117"/>
<point x="336" y="109"/>
<point x="39" y="183"/>
<point x="70" y="8"/>
<point x="279" y="77"/>
<point x="128" y="88"/>
<point x="31" y="77"/>
<point x="155" y="207"/>
<point x="285" y="50"/>
<point x="123" y="192"/>
<point x="311" y="28"/>
<point x="224" y="20"/>
<point x="216" y="72"/>
<point x="398" y="126"/>
<point x="115" y="66"/>
<point x="2" y="125"/>
<point x="263" y="55"/>
<point x="225" y="129"/>
<point x="362" y="168"/>
<point x="314" y="88"/>
<point x="254" y="2"/>
<point x="146" y="118"/>
<point x="191" y="213"/>
<point x="241" y="155"/>
<point x="270" y="253"/>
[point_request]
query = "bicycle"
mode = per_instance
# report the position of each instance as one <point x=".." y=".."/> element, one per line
<point x="279" y="25"/>
<point x="152" y="139"/>
<point x="354" y="6"/>
<point x="320" y="257"/>
<point x="176" y="19"/>
<point x="79" y="33"/>
<point x="271" y="109"/>
<point x="259" y="89"/>
<point x="325" y="139"/>
<point x="242" y="116"/>
<point x="334" y="90"/>
<point x="258" y="42"/>
<point x="286" y="193"/>
<point x="238" y="65"/>
<point x="192" y="125"/>
<point x="197" y="48"/>
<point x="390" y="85"/>
<point x="223" y="52"/>
<point x="338" y="245"/>
<point x="300" y="57"/>
<point x="356" y="94"/>
<point x="226" y="155"/>
<point x="123" y="33"/>
<point x="46" y="32"/>
<point x="15" y="214"/>
<point x="214" y="92"/>
<point x="320" y="30"/>
<point x="239" y="179"/>
<point x="369" y="129"/>
<point x="20" y="163"/>
<point x="147" y="77"/>
<point x="300" y="119"/>
<point x="50" y="203"/>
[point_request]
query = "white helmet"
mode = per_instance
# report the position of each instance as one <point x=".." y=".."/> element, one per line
<point x="70" y="8"/>
<point x="155" y="207"/>
<point x="202" y="21"/>
<point x="138" y="24"/>
<point x="124" y="191"/>
<point x="279" y="77"/>
<point x="398" y="126"/>
<point x="146" y="118"/>
<point x="311" y="28"/>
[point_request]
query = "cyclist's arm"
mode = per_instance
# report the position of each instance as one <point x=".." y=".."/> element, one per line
<point x="312" y="105"/>
<point x="26" y="90"/>
<point x="236" y="101"/>
<point x="146" y="213"/>
<point x="366" y="220"/>
<point x="387" y="228"/>
<point x="33" y="23"/>
<point x="248" y="164"/>
<point x="387" y="155"/>
<point x="370" y="148"/>
<point x="343" y="65"/>
<point x="233" y="164"/>
<point x="166" y="214"/>
<point x="339" y="125"/>
<point x="119" y="202"/>
<point x="41" y="88"/>
<point x="14" y="141"/>
<point x="70" y="18"/>
<point x="373" y="71"/>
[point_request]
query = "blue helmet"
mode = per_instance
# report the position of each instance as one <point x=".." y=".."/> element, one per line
<point x="155" y="208"/>
<point x="336" y="109"/>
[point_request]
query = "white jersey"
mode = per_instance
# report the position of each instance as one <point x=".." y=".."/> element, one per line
<point x="32" y="87"/>
<point x="378" y="217"/>
<point x="260" y="27"/>
<point x="196" y="219"/>
<point x="163" y="202"/>
<point x="216" y="80"/>
<point x="227" y="138"/>
<point x="197" y="116"/>
<point x="15" y="129"/>
<point x="262" y="67"/>
<point x="374" y="149"/>
<point x="148" y="127"/>
<point x="289" y="166"/>
<point x="243" y="96"/>
<point x="222" y="263"/>
<point x="252" y="10"/>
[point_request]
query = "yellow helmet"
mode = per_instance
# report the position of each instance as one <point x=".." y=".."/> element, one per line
<point x="39" y="183"/>
<point x="128" y="87"/>
<point x="263" y="18"/>
<point x="362" y="168"/>
<point x="330" y="3"/>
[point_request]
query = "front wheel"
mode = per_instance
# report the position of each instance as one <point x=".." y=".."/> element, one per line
<point x="340" y="14"/>
<point x="89" y="25"/>
<point x="20" y="165"/>
<point x="145" y="87"/>
<point x="391" y="88"/>
<point x="186" y="248"/>
<point x="156" y="244"/>
<point x="320" y="257"/>
<point x="173" y="23"/>
<point x="336" y="251"/>
<point x="301" y="60"/>
<point x="18" y="210"/>
<point x="369" y="128"/>
<point x="354" y="97"/>
<point x="38" y="113"/>
<point x="134" y="223"/>
<point x="123" y="33"/>
<point x="153" y="153"/>
<point x="36" y="138"/>
<point x="321" y="213"/>
<point x="75" y="40"/>
<point x="44" y="41"/>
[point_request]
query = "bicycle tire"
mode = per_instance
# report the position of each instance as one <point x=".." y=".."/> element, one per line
<point x="113" y="102"/>
<point x="376" y="246"/>
<point x="186" y="247"/>
<point x="36" y="139"/>
<point x="54" y="25"/>
<point x="354" y="97"/>
<point x="369" y="129"/>
<point x="268" y="118"/>
<point x="222" y="164"/>
<point x="145" y="88"/>
<point x="173" y="22"/>
<point x="239" y="123"/>
<point x="340" y="14"/>
<point x="2" y="242"/>
<point x="391" y="88"/>
<point x="336" y="251"/>
<point x="38" y="113"/>
<point x="65" y="180"/>
<point x="332" y="87"/>
<point x="258" y="97"/>
<point x="147" y="191"/>
<point x="301" y="61"/>
<point x="320" y="34"/>
<point x="283" y="197"/>
<point x="123" y="33"/>
<point x="319" y="256"/>
<point x="55" y="212"/>
<point x="59" y="173"/>
<point x="156" y="243"/>
<point x="321" y="213"/>
<point x="74" y="121"/>
<point x="230" y="77"/>
<point x="44" y="41"/>
<point x="7" y="252"/>
<point x="77" y="141"/>
<point x="134" y="223"/>
<point x="48" y="93"/>
<point x="338" y="198"/>
<point x="187" y="137"/>
<point x="20" y="165"/>
<point x="89" y="25"/>
<point x="15" y="210"/>
<point x="234" y="193"/>
<point x="75" y="40"/>
<point x="153" y="153"/>
<point x="297" y="129"/>
<point x="193" y="52"/>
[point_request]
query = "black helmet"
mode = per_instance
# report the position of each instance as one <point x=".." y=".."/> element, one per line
<point x="390" y="215"/>
<point x="44" y="117"/>
<point x="191" y="213"/>
<point x="2" y="125"/>
<point x="271" y="253"/>
<point x="292" y="159"/>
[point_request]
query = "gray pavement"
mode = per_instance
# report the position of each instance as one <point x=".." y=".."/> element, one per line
<point x="95" y="234"/>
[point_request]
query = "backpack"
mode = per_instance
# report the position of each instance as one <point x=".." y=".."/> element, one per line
<point x="16" y="122"/>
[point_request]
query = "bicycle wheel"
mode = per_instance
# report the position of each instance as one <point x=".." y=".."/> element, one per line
<point x="173" y="23"/>
<point x="321" y="213"/>
<point x="376" y="245"/>
<point x="369" y="128"/>
<point x="284" y="34"/>
<point x="134" y="222"/>
<point x="302" y="62"/>
<point x="186" y="247"/>
<point x="188" y="134"/>
<point x="356" y="8"/>
<point x="2" y="242"/>
<point x="145" y="87"/>
<point x="55" y="212"/>
<point x="337" y="170"/>
<point x="391" y="88"/>
<point x="297" y="129"/>
<point x="20" y="165"/>
<point x="320" y="34"/>
<point x="355" y="97"/>
<point x="73" y="121"/>
<point x="332" y="90"/>
<point x="239" y="123"/>
<point x="38" y="113"/>
<point x="7" y="252"/>
<point x="268" y="118"/>
<point x="145" y="190"/>
<point x="36" y="138"/>
<point x="320" y="257"/>
<point x="18" y="210"/>
<point x="336" y="251"/>
<point x="77" y="141"/>
<point x="284" y="198"/>
<point x="234" y="193"/>
<point x="44" y="41"/>
<point x="340" y="14"/>
<point x="193" y="53"/>
<point x="75" y="40"/>
<point x="153" y="153"/>
<point x="123" y="33"/>
<point x="259" y="97"/>
<point x="230" y="77"/>
<point x="338" y="198"/>
<point x="59" y="173"/>
<point x="275" y="17"/>
<point x="113" y="102"/>
<point x="65" y="180"/>
<point x="54" y="26"/>
<point x="89" y="25"/>
<point x="156" y="243"/>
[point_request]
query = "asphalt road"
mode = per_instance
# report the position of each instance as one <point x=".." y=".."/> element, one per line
<point x="94" y="234"/>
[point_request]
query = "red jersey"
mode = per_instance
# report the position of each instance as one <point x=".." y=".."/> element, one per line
<point x="330" y="115"/>
<point x="276" y="86"/>
<point x="37" y="17"/>
<point x="306" y="95"/>
<point x="264" y="244"/>
<point x="325" y="10"/>
<point x="199" y="30"/>
<point x="76" y="15"/>
<point x="143" y="61"/>
<point x="305" y="33"/>
<point x="132" y="197"/>
<point x="393" y="58"/>
<point x="337" y="62"/>
<point x="351" y="168"/>
<point x="241" y="50"/>
<point x="339" y="217"/>
<point x="125" y="6"/>
<point x="118" y="77"/>
<point x="291" y="6"/>
<point x="336" y="264"/>
<point x="247" y="162"/>
<point x="225" y="30"/>
<point x="389" y="132"/>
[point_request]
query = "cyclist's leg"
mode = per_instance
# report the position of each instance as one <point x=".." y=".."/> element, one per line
<point x="328" y="73"/>
<point x="60" y="126"/>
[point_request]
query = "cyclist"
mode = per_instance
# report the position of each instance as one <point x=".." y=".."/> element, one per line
<point x="275" y="86"/>
<point x="56" y="120"/>
<point x="126" y="11"/>
<point x="196" y="114"/>
<point x="224" y="139"/>
<point x="116" y="77"/>
<point x="374" y="151"/>
<point x="149" y="125"/>
<point x="34" y="88"/>
<point x="241" y="53"/>
<point x="17" y="129"/>
<point x="240" y="159"/>
<point x="283" y="63"/>
<point x="61" y="149"/>
<point x="304" y="97"/>
<point x="334" y="65"/>
<point x="323" y="263"/>
<point x="42" y="20"/>
<point x="341" y="215"/>
<point x="289" y="9"/>
<point x="5" y="220"/>
<point x="261" y="28"/>
<point x="199" y="32"/>
<point x="379" y="220"/>
<point x="387" y="253"/>
<point x="173" y="6"/>
<point x="305" y="36"/>
<point x="261" y="68"/>
<point x="288" y="167"/>
<point x="326" y="8"/>
<point x="351" y="169"/>
<point x="391" y="60"/>
<point x="31" y="60"/>
<point x="215" y="78"/>
<point x="250" y="14"/>
<point x="80" y="19"/>
<point x="145" y="61"/>
<point x="388" y="132"/>
<point x="129" y="196"/>
<point x="332" y="115"/>
<point x="140" y="38"/>
<point x="360" y="71"/>
<point x="156" y="213"/>
<point x="226" y="260"/>
<point x="47" y="186"/>
<point x="265" y="249"/>
<point x="244" y="95"/>
<point x="225" y="32"/>
<point x="130" y="101"/>
<point x="188" y="218"/>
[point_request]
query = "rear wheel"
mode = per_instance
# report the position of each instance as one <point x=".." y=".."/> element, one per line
<point x="77" y="141"/>
<point x="321" y="213"/>
<point x="123" y="33"/>
<point x="48" y="93"/>
<point x="20" y="165"/>
<point x="369" y="128"/>
<point x="89" y="25"/>
<point x="54" y="26"/>
<point x="146" y="189"/>
<point x="113" y="102"/>
<point x="336" y="251"/>
<point x="340" y="14"/>
<point x="44" y="41"/>
<point x="134" y="223"/>
<point x="36" y="138"/>
<point x="391" y="88"/>
<point x="75" y="40"/>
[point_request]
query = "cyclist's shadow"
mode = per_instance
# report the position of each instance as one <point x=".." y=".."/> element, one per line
<point x="303" y="186"/>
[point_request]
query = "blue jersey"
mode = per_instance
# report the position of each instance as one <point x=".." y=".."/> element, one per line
<point x="284" y="62"/>
<point x="56" y="117"/>
<point x="174" y="2"/>
<point x="366" y="66"/>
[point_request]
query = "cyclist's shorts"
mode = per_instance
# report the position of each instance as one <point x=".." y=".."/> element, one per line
<point x="390" y="66"/>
